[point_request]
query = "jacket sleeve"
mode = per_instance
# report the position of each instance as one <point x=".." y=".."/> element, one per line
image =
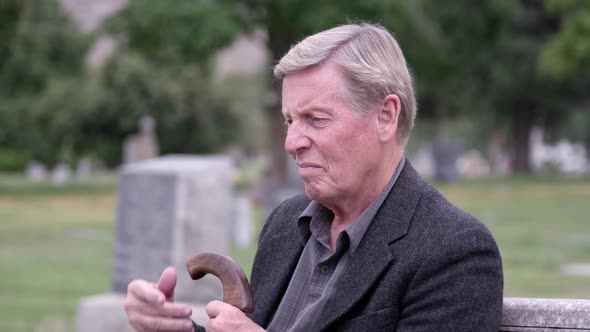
<point x="458" y="286"/>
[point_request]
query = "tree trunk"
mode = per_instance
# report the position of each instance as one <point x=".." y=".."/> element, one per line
<point x="278" y="43"/>
<point x="278" y="167"/>
<point x="522" y="123"/>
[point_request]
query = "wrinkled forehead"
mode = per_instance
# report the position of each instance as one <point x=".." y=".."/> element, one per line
<point x="321" y="85"/>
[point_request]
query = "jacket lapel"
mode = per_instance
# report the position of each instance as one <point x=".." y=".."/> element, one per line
<point x="373" y="254"/>
<point x="274" y="281"/>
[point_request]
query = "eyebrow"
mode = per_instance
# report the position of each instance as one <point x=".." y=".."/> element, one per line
<point x="312" y="109"/>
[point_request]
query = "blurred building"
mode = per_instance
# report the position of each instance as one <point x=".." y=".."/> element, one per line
<point x="246" y="55"/>
<point x="89" y="15"/>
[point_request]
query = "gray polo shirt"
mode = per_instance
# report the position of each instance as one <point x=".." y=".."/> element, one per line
<point x="318" y="270"/>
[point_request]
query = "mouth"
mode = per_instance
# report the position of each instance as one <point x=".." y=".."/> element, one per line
<point x="307" y="170"/>
<point x="307" y="165"/>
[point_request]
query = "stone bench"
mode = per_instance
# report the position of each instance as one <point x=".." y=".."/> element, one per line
<point x="535" y="315"/>
<point x="102" y="313"/>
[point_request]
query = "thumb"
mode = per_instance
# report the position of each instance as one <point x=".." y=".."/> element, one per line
<point x="167" y="283"/>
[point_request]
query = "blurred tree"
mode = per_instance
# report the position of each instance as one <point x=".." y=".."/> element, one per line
<point x="567" y="56"/>
<point x="474" y="59"/>
<point x="162" y="69"/>
<point x="568" y="52"/>
<point x="244" y="94"/>
<point x="451" y="67"/>
<point x="10" y="13"/>
<point x="99" y="110"/>
<point x="190" y="117"/>
<point x="190" y="31"/>
<point x="53" y="109"/>
<point x="521" y="95"/>
<point x="39" y="43"/>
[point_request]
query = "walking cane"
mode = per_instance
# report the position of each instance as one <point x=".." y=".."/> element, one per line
<point x="236" y="289"/>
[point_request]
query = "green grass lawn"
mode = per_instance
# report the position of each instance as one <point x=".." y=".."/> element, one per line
<point x="56" y="243"/>
<point x="539" y="225"/>
<point x="55" y="246"/>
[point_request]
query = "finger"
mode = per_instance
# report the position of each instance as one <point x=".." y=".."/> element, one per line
<point x="149" y="323"/>
<point x="167" y="283"/>
<point x="176" y="310"/>
<point x="145" y="291"/>
<point x="167" y="309"/>
<point x="212" y="325"/>
<point x="213" y="308"/>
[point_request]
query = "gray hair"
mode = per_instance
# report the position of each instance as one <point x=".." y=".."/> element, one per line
<point x="371" y="60"/>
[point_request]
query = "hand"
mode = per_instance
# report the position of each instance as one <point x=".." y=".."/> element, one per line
<point x="151" y="307"/>
<point x="225" y="317"/>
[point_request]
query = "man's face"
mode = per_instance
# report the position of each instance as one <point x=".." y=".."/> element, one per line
<point x="334" y="148"/>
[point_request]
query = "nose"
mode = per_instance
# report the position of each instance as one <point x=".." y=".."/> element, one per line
<point x="296" y="140"/>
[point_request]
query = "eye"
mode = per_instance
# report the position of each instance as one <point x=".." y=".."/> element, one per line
<point x="288" y="122"/>
<point x="316" y="121"/>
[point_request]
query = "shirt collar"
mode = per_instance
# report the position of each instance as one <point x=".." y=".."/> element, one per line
<point x="316" y="212"/>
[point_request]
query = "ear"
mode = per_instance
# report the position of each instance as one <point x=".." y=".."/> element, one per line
<point x="387" y="118"/>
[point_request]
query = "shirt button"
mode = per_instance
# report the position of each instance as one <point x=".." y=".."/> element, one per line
<point x="324" y="269"/>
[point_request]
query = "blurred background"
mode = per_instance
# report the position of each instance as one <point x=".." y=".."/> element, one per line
<point x="503" y="126"/>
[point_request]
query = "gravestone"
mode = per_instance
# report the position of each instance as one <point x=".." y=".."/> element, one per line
<point x="168" y="209"/>
<point x="61" y="174"/>
<point x="36" y="171"/>
<point x="472" y="164"/>
<point x="575" y="269"/>
<point x="83" y="169"/>
<point x="445" y="154"/>
<point x="143" y="145"/>
<point x="423" y="161"/>
<point x="243" y="229"/>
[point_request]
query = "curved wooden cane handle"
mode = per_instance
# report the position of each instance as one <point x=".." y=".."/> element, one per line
<point x="236" y="289"/>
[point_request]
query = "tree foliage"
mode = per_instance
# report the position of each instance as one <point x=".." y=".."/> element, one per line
<point x="514" y="93"/>
<point x="476" y="60"/>
<point x="54" y="109"/>
<point x="566" y="56"/>
<point x="41" y="44"/>
<point x="568" y="52"/>
<point x="97" y="111"/>
<point x="191" y="31"/>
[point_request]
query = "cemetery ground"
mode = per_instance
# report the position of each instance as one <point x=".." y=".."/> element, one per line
<point x="56" y="242"/>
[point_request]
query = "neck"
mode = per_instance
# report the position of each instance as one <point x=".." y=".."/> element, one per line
<point x="348" y="209"/>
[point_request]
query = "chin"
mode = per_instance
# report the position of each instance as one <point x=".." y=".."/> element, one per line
<point x="312" y="192"/>
<point x="316" y="194"/>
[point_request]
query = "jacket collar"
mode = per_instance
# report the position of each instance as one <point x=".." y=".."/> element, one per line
<point x="373" y="255"/>
<point x="371" y="258"/>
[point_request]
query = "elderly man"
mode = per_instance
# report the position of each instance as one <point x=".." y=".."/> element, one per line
<point x="370" y="246"/>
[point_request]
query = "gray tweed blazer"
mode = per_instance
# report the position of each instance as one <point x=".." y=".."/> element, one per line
<point x="423" y="265"/>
